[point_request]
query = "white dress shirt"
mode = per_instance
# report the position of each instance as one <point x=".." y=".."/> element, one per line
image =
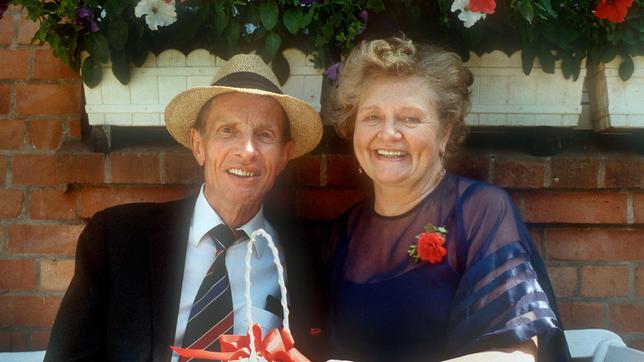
<point x="200" y="254"/>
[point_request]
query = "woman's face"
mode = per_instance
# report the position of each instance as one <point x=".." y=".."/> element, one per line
<point x="398" y="137"/>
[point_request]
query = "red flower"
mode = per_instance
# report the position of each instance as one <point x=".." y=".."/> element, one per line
<point x="482" y="6"/>
<point x="430" y="247"/>
<point x="613" y="10"/>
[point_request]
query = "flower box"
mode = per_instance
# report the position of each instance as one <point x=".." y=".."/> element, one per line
<point x="142" y="101"/>
<point x="614" y="103"/>
<point x="502" y="95"/>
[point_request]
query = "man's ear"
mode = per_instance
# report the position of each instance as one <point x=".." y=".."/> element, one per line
<point x="197" y="146"/>
<point x="287" y="151"/>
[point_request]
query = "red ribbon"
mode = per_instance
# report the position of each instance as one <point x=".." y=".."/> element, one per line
<point x="278" y="346"/>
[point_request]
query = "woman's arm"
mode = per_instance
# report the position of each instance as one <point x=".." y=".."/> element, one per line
<point x="524" y="352"/>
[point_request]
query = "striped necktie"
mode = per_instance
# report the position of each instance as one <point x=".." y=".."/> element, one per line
<point x="212" y="310"/>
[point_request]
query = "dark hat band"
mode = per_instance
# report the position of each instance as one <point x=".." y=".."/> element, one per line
<point x="247" y="80"/>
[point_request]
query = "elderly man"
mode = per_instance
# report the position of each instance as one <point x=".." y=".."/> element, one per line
<point x="149" y="276"/>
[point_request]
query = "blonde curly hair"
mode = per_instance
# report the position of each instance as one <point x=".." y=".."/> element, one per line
<point x="444" y="72"/>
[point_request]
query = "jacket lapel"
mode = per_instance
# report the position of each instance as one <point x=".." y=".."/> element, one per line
<point x="167" y="249"/>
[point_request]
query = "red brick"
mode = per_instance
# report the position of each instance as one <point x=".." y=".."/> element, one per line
<point x="637" y="343"/>
<point x="5" y="98"/>
<point x="45" y="135"/>
<point x="60" y="168"/>
<point x="604" y="281"/>
<point x="56" y="274"/>
<point x="594" y="244"/>
<point x="92" y="200"/>
<point x="575" y="207"/>
<point x="3" y="168"/>
<point x="80" y="168"/>
<point x="14" y="63"/>
<point x="579" y="315"/>
<point x="639" y="282"/>
<point x="43" y="239"/>
<point x="75" y="128"/>
<point x="326" y="204"/>
<point x="53" y="204"/>
<point x="6" y="30"/>
<point x="14" y="341"/>
<point x="24" y="166"/>
<point x="626" y="318"/>
<point x="574" y="172"/>
<point x="48" y="99"/>
<point x="519" y="173"/>
<point x="10" y="203"/>
<point x="564" y="280"/>
<point x="39" y="340"/>
<point x="12" y="134"/>
<point x="17" y="274"/>
<point x="181" y="168"/>
<point x="131" y="167"/>
<point x="638" y="208"/>
<point x="535" y="233"/>
<point x="47" y="66"/>
<point x="622" y="173"/>
<point x="26" y="30"/>
<point x="28" y="311"/>
<point x="474" y="165"/>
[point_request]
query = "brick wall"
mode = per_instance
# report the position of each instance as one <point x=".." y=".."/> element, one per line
<point x="585" y="208"/>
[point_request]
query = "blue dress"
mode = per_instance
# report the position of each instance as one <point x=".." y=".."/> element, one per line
<point x="490" y="291"/>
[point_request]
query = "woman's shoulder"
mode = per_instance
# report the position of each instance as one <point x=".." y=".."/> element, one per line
<point x="482" y="195"/>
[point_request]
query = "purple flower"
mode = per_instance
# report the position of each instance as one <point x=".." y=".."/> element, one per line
<point x="332" y="71"/>
<point x="364" y="15"/>
<point x="85" y="19"/>
<point x="3" y="7"/>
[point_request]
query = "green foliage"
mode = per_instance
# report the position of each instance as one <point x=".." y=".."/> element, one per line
<point x="545" y="30"/>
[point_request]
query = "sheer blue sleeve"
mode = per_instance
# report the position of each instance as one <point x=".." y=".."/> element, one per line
<point x="504" y="296"/>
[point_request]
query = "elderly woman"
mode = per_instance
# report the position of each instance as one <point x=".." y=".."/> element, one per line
<point x="435" y="265"/>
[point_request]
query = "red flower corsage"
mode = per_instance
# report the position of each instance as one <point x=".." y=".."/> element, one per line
<point x="429" y="247"/>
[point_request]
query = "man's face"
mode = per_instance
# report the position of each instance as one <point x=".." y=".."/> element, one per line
<point x="241" y="149"/>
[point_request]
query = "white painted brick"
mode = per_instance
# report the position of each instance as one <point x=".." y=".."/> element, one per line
<point x="200" y="58"/>
<point x="93" y="95"/>
<point x="493" y="119"/>
<point x="295" y="57"/>
<point x="171" y="58"/>
<point x="95" y="118"/>
<point x="144" y="90"/>
<point x="521" y="90"/>
<point x="118" y="119"/>
<point x="198" y="81"/>
<point x="294" y="85"/>
<point x="147" y="119"/>
<point x="521" y="119"/>
<point x="170" y="87"/>
<point x="472" y="119"/>
<point x="494" y="90"/>
<point x="112" y="91"/>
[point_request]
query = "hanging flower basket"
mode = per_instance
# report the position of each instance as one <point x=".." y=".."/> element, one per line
<point x="614" y="103"/>
<point x="503" y="95"/>
<point x="142" y="101"/>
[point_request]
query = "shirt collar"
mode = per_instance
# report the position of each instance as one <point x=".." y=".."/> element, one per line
<point x="204" y="218"/>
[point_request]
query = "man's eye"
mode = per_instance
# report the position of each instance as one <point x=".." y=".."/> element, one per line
<point x="226" y="130"/>
<point x="268" y="137"/>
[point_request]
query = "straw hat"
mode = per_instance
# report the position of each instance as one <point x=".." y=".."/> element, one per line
<point x="244" y="73"/>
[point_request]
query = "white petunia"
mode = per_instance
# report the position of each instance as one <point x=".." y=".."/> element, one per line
<point x="157" y="12"/>
<point x="468" y="18"/>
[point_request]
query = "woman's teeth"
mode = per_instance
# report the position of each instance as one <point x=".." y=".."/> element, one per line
<point x="240" y="172"/>
<point x="385" y="153"/>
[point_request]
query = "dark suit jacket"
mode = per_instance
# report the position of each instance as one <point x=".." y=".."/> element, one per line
<point x="123" y="300"/>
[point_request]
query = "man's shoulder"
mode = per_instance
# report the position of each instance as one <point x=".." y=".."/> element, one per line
<point x="141" y="211"/>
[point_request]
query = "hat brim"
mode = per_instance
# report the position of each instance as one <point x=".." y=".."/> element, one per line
<point x="181" y="114"/>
